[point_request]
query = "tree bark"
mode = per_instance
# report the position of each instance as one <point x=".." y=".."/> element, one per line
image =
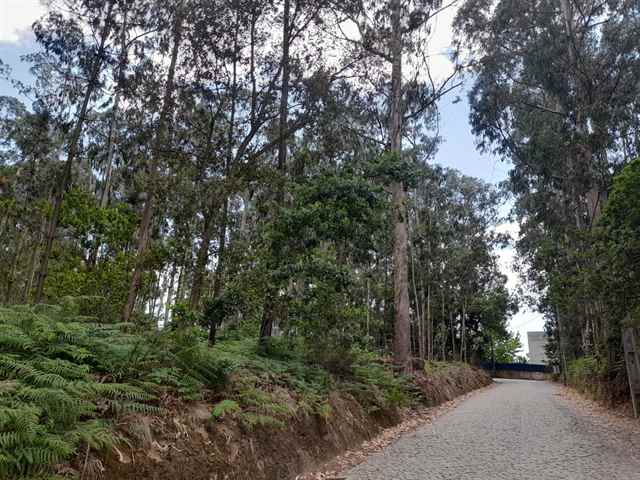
<point x="65" y="182"/>
<point x="202" y="259"/>
<point x="113" y="124"/>
<point x="11" y="280"/>
<point x="463" y="332"/>
<point x="443" y="343"/>
<point x="429" y="325"/>
<point x="270" y="304"/>
<point x="402" y="322"/>
<point x="218" y="280"/>
<point x="167" y="306"/>
<point x="153" y="172"/>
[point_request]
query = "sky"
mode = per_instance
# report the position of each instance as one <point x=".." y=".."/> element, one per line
<point x="457" y="151"/>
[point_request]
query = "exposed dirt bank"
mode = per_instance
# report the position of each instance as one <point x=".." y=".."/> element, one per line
<point x="191" y="445"/>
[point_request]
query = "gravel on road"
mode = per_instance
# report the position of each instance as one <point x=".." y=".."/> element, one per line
<point x="517" y="430"/>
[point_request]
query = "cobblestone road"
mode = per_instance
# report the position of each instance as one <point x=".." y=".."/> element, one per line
<point x="517" y="430"/>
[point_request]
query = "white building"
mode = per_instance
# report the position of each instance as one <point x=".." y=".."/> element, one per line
<point x="537" y="342"/>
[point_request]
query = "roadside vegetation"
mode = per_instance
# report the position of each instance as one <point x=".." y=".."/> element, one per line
<point x="562" y="106"/>
<point x="235" y="203"/>
<point x="68" y="380"/>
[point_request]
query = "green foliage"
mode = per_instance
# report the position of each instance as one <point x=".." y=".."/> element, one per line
<point x="103" y="286"/>
<point x="589" y="375"/>
<point x="268" y="391"/>
<point x="330" y="224"/>
<point x="62" y="378"/>
<point x="375" y="386"/>
<point x="391" y="167"/>
<point x="224" y="408"/>
<point x="49" y="399"/>
<point x="506" y="348"/>
<point x="622" y="211"/>
<point x="620" y="242"/>
<point x="96" y="226"/>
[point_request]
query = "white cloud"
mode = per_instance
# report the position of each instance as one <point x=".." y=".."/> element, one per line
<point x="16" y="18"/>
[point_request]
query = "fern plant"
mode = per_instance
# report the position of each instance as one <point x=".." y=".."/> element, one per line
<point x="51" y="399"/>
<point x="63" y="377"/>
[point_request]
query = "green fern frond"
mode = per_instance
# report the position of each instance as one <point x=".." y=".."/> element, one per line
<point x="64" y="368"/>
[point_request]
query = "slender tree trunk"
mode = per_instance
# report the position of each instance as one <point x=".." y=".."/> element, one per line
<point x="218" y="280"/>
<point x="402" y="321"/>
<point x="463" y="332"/>
<point x="429" y="325"/>
<point x="252" y="67"/>
<point x="269" y="310"/>
<point x="222" y="236"/>
<point x="181" y="280"/>
<point x="113" y="124"/>
<point x="33" y="262"/>
<point x="148" y="212"/>
<point x="419" y="307"/>
<point x="202" y="259"/>
<point x="443" y="343"/>
<point x="453" y="335"/>
<point x="3" y="224"/>
<point x="167" y="306"/>
<point x="64" y="184"/>
<point x="368" y="308"/>
<point x="11" y="280"/>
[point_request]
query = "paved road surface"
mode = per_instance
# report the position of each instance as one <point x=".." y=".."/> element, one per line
<point x="516" y="430"/>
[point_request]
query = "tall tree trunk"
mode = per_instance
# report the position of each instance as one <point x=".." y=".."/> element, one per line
<point x="443" y="343"/>
<point x="402" y="321"/>
<point x="11" y="278"/>
<point x="167" y="305"/>
<point x="113" y="124"/>
<point x="419" y="309"/>
<point x="453" y="335"/>
<point x="148" y="212"/>
<point x="222" y="236"/>
<point x="269" y="310"/>
<point x="202" y="259"/>
<point x="64" y="184"/>
<point x="463" y="332"/>
<point x="429" y="325"/>
<point x="218" y="280"/>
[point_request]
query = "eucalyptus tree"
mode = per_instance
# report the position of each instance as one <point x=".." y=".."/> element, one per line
<point x="305" y="75"/>
<point x="75" y="57"/>
<point x="556" y="93"/>
<point x="453" y="261"/>
<point x="390" y="36"/>
<point x="29" y="149"/>
<point x="174" y="30"/>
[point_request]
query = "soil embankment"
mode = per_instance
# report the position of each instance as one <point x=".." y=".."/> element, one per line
<point x="191" y="445"/>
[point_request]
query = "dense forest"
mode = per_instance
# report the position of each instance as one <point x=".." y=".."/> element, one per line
<point x="556" y="92"/>
<point x="184" y="175"/>
<point x="183" y="156"/>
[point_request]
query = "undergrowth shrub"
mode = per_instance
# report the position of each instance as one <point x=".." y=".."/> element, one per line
<point x="596" y="378"/>
<point x="63" y="378"/>
<point x="270" y="390"/>
<point x="375" y="386"/>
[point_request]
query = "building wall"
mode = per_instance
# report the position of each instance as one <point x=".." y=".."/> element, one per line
<point x="537" y="341"/>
